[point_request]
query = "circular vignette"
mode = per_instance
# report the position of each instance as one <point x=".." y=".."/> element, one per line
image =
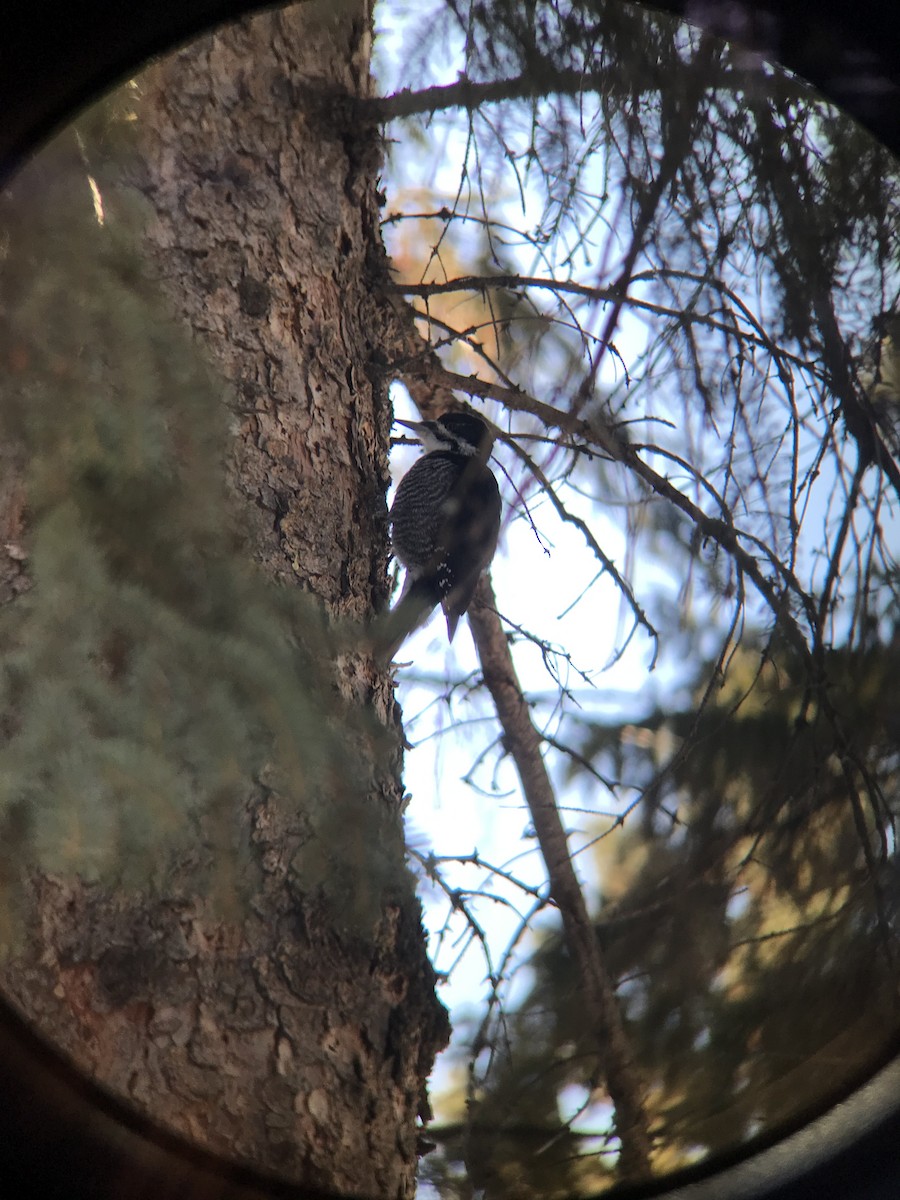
<point x="63" y="1135"/>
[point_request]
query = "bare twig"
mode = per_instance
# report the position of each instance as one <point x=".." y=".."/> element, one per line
<point x="538" y="82"/>
<point x="523" y="740"/>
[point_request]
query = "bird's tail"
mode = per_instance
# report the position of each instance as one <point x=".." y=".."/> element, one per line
<point x="417" y="602"/>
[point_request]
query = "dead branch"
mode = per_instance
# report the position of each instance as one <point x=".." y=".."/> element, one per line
<point x="614" y="1057"/>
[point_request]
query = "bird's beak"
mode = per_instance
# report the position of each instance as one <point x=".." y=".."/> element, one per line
<point x="418" y="427"/>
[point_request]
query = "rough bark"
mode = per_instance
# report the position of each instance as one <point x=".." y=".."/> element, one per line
<point x="275" y="1037"/>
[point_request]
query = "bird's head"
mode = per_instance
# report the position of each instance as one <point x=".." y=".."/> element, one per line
<point x="454" y="432"/>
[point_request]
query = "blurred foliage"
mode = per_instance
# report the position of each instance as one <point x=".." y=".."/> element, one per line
<point x="747" y="909"/>
<point x="686" y="246"/>
<point x="753" y="904"/>
<point x="151" y="681"/>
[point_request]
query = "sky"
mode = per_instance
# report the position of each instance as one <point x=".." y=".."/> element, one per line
<point x="464" y="793"/>
<point x="455" y="810"/>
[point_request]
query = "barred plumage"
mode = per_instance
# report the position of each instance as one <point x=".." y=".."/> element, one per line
<point x="445" y="523"/>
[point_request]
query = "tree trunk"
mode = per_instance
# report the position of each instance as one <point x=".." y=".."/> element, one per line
<point x="281" y="1037"/>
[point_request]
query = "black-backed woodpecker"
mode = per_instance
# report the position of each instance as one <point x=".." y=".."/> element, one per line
<point x="445" y="521"/>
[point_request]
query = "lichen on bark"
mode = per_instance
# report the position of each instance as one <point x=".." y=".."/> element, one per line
<point x="284" y="1013"/>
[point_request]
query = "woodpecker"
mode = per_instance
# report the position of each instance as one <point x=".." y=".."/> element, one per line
<point x="445" y="521"/>
<point x="879" y="373"/>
